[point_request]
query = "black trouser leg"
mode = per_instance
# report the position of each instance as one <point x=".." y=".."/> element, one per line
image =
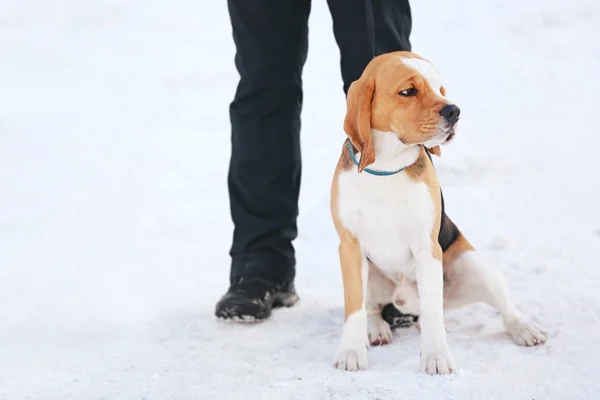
<point x="367" y="28"/>
<point x="271" y="38"/>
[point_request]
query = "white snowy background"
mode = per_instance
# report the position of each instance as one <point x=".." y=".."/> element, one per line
<point x="115" y="227"/>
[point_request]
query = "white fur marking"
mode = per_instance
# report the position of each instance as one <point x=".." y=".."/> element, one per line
<point x="391" y="153"/>
<point x="437" y="140"/>
<point x="385" y="213"/>
<point x="436" y="357"/>
<point x="352" y="351"/>
<point x="427" y="71"/>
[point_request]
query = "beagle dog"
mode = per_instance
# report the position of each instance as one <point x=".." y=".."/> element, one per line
<point x="397" y="245"/>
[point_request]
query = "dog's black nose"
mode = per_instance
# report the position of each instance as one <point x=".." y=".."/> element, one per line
<point x="450" y="113"/>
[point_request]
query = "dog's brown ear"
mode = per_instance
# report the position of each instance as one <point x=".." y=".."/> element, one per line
<point x="435" y="150"/>
<point x="357" y="123"/>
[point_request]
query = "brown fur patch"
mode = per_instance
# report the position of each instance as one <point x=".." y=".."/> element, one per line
<point x="349" y="249"/>
<point x="423" y="171"/>
<point x="435" y="150"/>
<point x="357" y="123"/>
<point x="459" y="246"/>
<point x="351" y="263"/>
<point x="417" y="169"/>
<point x="345" y="160"/>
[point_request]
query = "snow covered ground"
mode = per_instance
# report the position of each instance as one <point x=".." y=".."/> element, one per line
<point x="114" y="220"/>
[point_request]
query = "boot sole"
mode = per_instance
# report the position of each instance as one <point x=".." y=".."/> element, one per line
<point x="233" y="312"/>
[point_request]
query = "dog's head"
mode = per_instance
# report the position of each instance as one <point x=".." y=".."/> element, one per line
<point x="399" y="92"/>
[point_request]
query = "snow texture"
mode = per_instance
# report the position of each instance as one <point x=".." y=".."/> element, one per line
<point x="115" y="227"/>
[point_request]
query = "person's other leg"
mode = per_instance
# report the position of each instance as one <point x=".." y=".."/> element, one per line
<point x="271" y="38"/>
<point x="364" y="29"/>
<point x="367" y="28"/>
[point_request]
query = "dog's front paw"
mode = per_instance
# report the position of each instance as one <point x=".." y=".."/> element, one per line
<point x="526" y="333"/>
<point x="352" y="359"/>
<point x="439" y="362"/>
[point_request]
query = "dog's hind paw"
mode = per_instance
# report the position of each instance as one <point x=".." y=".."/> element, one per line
<point x="526" y="333"/>
<point x="379" y="330"/>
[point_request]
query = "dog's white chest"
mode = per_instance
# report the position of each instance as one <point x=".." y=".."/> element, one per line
<point x="389" y="215"/>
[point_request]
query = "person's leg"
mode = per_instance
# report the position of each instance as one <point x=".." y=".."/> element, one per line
<point x="271" y="38"/>
<point x="364" y="29"/>
<point x="367" y="28"/>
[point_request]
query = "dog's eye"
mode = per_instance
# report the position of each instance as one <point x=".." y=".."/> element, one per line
<point x="408" y="92"/>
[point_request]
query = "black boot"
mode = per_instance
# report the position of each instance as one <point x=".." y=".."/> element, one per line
<point x="252" y="298"/>
<point x="396" y="319"/>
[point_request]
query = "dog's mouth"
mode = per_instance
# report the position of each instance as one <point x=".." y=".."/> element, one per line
<point x="449" y="135"/>
<point x="446" y="132"/>
<point x="443" y="136"/>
